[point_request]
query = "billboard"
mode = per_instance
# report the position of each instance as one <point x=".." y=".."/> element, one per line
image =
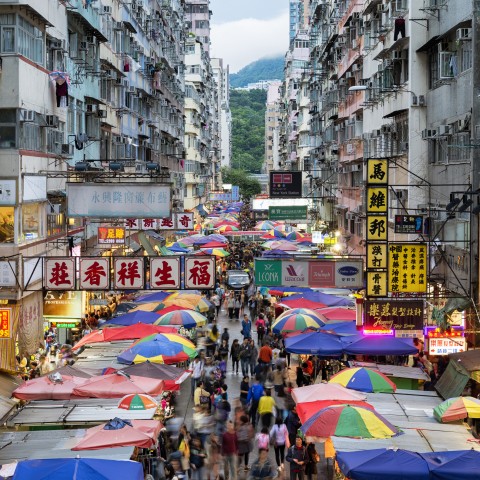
<point x="285" y="184"/>
<point x="394" y="314"/>
<point x="111" y="235"/>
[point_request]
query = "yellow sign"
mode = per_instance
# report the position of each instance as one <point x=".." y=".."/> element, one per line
<point x="377" y="171"/>
<point x="377" y="227"/>
<point x="407" y="266"/>
<point x="5" y="323"/>
<point x="377" y="284"/>
<point x="377" y="256"/>
<point x="377" y="199"/>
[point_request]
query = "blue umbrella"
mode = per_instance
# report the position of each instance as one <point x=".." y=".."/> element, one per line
<point x="325" y="298"/>
<point x="380" y="345"/>
<point x="315" y="343"/>
<point x="70" y="468"/>
<point x="454" y="464"/>
<point x="153" y="297"/>
<point x="217" y="237"/>
<point x="202" y="241"/>
<point x="347" y="331"/>
<point x="134" y="317"/>
<point x="177" y="248"/>
<point x="276" y="253"/>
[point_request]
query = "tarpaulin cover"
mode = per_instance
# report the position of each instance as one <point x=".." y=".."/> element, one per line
<point x="380" y="345"/>
<point x="78" y="468"/>
<point x="329" y="300"/>
<point x="315" y="343"/>
<point x="461" y="464"/>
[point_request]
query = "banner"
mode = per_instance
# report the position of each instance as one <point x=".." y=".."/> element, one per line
<point x="394" y="314"/>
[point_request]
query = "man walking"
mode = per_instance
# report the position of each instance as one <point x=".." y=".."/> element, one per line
<point x="297" y="457"/>
<point x="245" y="353"/>
<point x="253" y="398"/>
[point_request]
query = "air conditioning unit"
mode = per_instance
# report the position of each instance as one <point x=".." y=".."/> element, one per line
<point x="126" y="83"/>
<point x="91" y="107"/>
<point x="376" y="133"/>
<point x="133" y="6"/>
<point x="354" y="44"/>
<point x="118" y="26"/>
<point x="356" y="15"/>
<point x="443" y="130"/>
<point x="90" y="39"/>
<point x="117" y="139"/>
<point x="341" y="40"/>
<point x="463" y="34"/>
<point x="107" y="10"/>
<point x="27" y="115"/>
<point x="101" y="113"/>
<point x="461" y="125"/>
<point x="67" y="150"/>
<point x="58" y="45"/>
<point x="139" y="3"/>
<point x="385" y="129"/>
<point x="350" y="216"/>
<point x="366" y="136"/>
<point x="427" y="133"/>
<point x="52" y="121"/>
<point x="108" y="73"/>
<point x="118" y="81"/>
<point x="381" y="8"/>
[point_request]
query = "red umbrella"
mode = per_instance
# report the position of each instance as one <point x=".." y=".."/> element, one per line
<point x="118" y="385"/>
<point x="171" y="308"/>
<point x="214" y="244"/>
<point x="337" y="314"/>
<point x="302" y="303"/>
<point x="121" y="433"/>
<point x="49" y="387"/>
<point x="307" y="409"/>
<point x="131" y="332"/>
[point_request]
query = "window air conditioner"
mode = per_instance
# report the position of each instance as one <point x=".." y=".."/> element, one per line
<point x="67" y="150"/>
<point x="52" y="121"/>
<point x="27" y="115"/>
<point x="102" y="113"/>
<point x="91" y="107"/>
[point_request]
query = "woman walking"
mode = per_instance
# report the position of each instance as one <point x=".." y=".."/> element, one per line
<point x="279" y="437"/>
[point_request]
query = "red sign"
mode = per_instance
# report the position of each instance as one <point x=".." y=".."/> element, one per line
<point x="5" y="323"/>
<point x="321" y="274"/>
<point x="59" y="274"/>
<point x="165" y="273"/>
<point x="128" y="273"/>
<point x="200" y="273"/>
<point x="132" y="223"/>
<point x="94" y="273"/>
<point x="111" y="235"/>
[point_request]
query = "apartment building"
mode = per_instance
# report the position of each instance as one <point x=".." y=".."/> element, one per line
<point x="272" y="118"/>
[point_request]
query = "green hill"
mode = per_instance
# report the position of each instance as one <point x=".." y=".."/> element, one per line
<point x="263" y="69"/>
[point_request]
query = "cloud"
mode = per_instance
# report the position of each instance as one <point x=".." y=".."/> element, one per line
<point x="243" y="41"/>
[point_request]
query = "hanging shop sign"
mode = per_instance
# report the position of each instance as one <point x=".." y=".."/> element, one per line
<point x="376" y="283"/>
<point x="409" y="224"/>
<point x="111" y="236"/>
<point x="407" y="266"/>
<point x="176" y="221"/>
<point x="291" y="213"/>
<point x="5" y="323"/>
<point x="118" y="200"/>
<point x="64" y="305"/>
<point x="199" y="273"/>
<point x="446" y="345"/>
<point x="128" y="273"/>
<point x="377" y="171"/>
<point x="394" y="314"/>
<point x="8" y="273"/>
<point x="165" y="273"/>
<point x="285" y="184"/>
<point x="94" y="273"/>
<point x="59" y="273"/>
<point x="377" y="256"/>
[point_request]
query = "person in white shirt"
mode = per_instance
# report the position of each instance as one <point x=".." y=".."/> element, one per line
<point x="197" y="373"/>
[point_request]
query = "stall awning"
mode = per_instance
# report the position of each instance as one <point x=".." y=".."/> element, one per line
<point x="453" y="380"/>
<point x="8" y="384"/>
<point x="202" y="210"/>
<point x="146" y="244"/>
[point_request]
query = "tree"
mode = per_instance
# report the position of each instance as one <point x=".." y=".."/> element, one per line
<point x="248" y="186"/>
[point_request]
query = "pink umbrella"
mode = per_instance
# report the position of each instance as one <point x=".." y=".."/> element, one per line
<point x="325" y="391"/>
<point x="121" y="433"/>
<point x="49" y="387"/>
<point x="283" y="245"/>
<point x="336" y="314"/>
<point x="117" y="385"/>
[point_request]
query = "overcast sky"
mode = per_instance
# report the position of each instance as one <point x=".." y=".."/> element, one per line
<point x="245" y="30"/>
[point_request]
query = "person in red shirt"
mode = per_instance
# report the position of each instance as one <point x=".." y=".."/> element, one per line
<point x="265" y="355"/>
<point x="230" y="451"/>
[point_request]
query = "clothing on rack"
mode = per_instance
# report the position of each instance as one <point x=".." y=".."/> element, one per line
<point x="61" y="90"/>
<point x="399" y="28"/>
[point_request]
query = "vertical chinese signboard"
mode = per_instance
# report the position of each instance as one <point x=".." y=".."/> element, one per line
<point x="407" y="264"/>
<point x="377" y="227"/>
<point x="128" y="273"/>
<point x="5" y="323"/>
<point x="94" y="273"/>
<point x="59" y="273"/>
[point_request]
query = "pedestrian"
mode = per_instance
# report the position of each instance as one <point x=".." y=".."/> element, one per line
<point x="230" y="452"/>
<point x="253" y="398"/>
<point x="243" y="301"/>
<point x="300" y="380"/>
<point x="198" y="455"/>
<point x="212" y="339"/>
<point x="245" y="354"/>
<point x="266" y="408"/>
<point x="246" y="327"/>
<point x="260" y="324"/>
<point x="223" y="351"/>
<point x="297" y="456"/>
<point x="184" y="448"/>
<point x="197" y="373"/>
<point x="279" y="378"/>
<point x="214" y="456"/>
<point x="237" y="306"/>
<point x="279" y="438"/>
<point x="262" y="439"/>
<point x="235" y="355"/>
<point x="244" y="388"/>
<point x="230" y="305"/>
<point x="311" y="463"/>
<point x="225" y="335"/>
<point x="201" y="396"/>
<point x="262" y="468"/>
<point x="265" y="355"/>
<point x="293" y="424"/>
<point x="217" y="302"/>
<point x="245" y="433"/>
<point x="253" y="356"/>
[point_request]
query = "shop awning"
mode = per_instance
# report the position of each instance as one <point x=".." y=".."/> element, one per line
<point x="202" y="210"/>
<point x="8" y="384"/>
<point x="453" y="380"/>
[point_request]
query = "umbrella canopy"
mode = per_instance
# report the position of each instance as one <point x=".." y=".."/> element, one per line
<point x="301" y="304"/>
<point x="452" y="465"/>
<point x="276" y="233"/>
<point x="50" y="387"/>
<point x="382" y="463"/>
<point x="264" y="225"/>
<point x="78" y="468"/>
<point x="275" y="253"/>
<point x="282" y="245"/>
<point x="295" y="321"/>
<point x="137" y="401"/>
<point x="227" y="228"/>
<point x="218" y="252"/>
<point x="457" y="408"/>
<point x="178" y="247"/>
<point x="71" y="371"/>
<point x="365" y="380"/>
<point x="307" y="409"/>
<point x="376" y="345"/>
<point x="337" y="314"/>
<point x="187" y="301"/>
<point x="147" y="307"/>
<point x="325" y="391"/>
<point x="153" y="297"/>
<point x="214" y="244"/>
<point x="216" y="237"/>
<point x="348" y="421"/>
<point x="315" y="343"/>
<point x="186" y="318"/>
<point x="117" y="385"/>
<point x="120" y="433"/>
<point x="172" y="376"/>
<point x="160" y="348"/>
<point x="131" y="318"/>
<point x="300" y="311"/>
<point x="325" y="298"/>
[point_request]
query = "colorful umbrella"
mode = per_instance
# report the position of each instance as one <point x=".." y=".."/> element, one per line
<point x="365" y="380"/>
<point x="227" y="228"/>
<point x="295" y="236"/>
<point x="161" y="348"/>
<point x="457" y="408"/>
<point x="218" y="252"/>
<point x="214" y="244"/>
<point x="348" y="421"/>
<point x="301" y="311"/>
<point x="186" y="318"/>
<point x="325" y="391"/>
<point x="327" y="299"/>
<point x="265" y="225"/>
<point x="308" y="409"/>
<point x="153" y="297"/>
<point x="137" y="401"/>
<point x="301" y="304"/>
<point x="147" y="307"/>
<point x="282" y="245"/>
<point x="296" y="321"/>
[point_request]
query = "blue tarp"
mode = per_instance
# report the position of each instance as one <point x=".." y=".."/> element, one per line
<point x="325" y="298"/>
<point x="315" y="343"/>
<point x="382" y="464"/>
<point x="177" y="248"/>
<point x="132" y="318"/>
<point x="461" y="464"/>
<point x="78" y="469"/>
<point x="276" y="253"/>
<point x="153" y="297"/>
<point x="380" y="345"/>
<point x="346" y="330"/>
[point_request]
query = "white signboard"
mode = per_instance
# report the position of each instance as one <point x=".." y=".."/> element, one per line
<point x="94" y="273"/>
<point x="128" y="273"/>
<point x="199" y="273"/>
<point x="264" y="203"/>
<point x="8" y="270"/>
<point x="34" y="188"/>
<point x="446" y="345"/>
<point x="118" y="200"/>
<point x="184" y="221"/>
<point x="59" y="274"/>
<point x="295" y="273"/>
<point x="8" y="192"/>
<point x="165" y="273"/>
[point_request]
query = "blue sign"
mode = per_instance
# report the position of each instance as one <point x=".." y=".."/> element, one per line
<point x="235" y="193"/>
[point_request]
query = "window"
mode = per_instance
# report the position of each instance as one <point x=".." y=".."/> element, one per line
<point x="30" y="41"/>
<point x="31" y="221"/>
<point x="31" y="138"/>
<point x="79" y="117"/>
<point x="466" y="56"/>
<point x="8" y="129"/>
<point x="7" y="230"/>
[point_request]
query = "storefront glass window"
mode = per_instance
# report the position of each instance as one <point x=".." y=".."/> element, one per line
<point x="7" y="231"/>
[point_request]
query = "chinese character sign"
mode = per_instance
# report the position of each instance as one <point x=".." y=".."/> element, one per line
<point x="94" y="273"/>
<point x="165" y="273"/>
<point x="5" y="323"/>
<point x="377" y="199"/>
<point x="376" y="284"/>
<point x="184" y="221"/>
<point x="394" y="314"/>
<point x="148" y="223"/>
<point x="377" y="171"/>
<point x="199" y="273"/>
<point x="407" y="265"/>
<point x="128" y="273"/>
<point x="132" y="223"/>
<point x="59" y="274"/>
<point x="377" y="227"/>
<point x="446" y="345"/>
<point x="166" y="223"/>
<point x="377" y="255"/>
<point x="111" y="235"/>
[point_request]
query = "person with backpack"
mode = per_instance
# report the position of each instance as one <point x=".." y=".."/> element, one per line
<point x="197" y="459"/>
<point x="279" y="438"/>
<point x="262" y="439"/>
<point x="260" y="324"/>
<point x="230" y="452"/>
<point x="253" y="398"/>
<point x="312" y="459"/>
<point x="297" y="457"/>
<point x="262" y="468"/>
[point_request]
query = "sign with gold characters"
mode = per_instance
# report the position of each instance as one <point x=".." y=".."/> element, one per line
<point x="407" y="266"/>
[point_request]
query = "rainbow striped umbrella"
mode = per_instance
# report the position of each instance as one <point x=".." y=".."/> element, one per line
<point x="218" y="252"/>
<point x="295" y="322"/>
<point x="186" y="318"/>
<point x="348" y="421"/>
<point x="159" y="348"/>
<point x="227" y="228"/>
<point x="137" y="401"/>
<point x="457" y="408"/>
<point x="300" y="311"/>
<point x="264" y="225"/>
<point x="364" y="380"/>
<point x="296" y="236"/>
